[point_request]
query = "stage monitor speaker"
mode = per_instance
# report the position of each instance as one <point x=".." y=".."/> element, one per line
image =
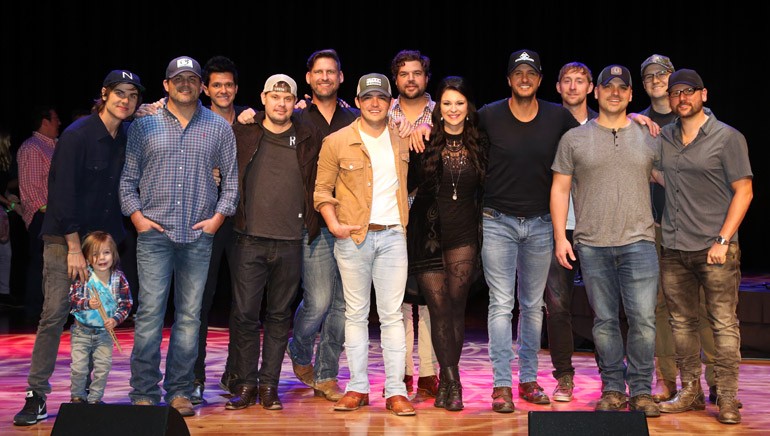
<point x="118" y="420"/>
<point x="588" y="423"/>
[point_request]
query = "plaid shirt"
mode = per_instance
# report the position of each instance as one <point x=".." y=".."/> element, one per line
<point x="395" y="112"/>
<point x="168" y="171"/>
<point x="79" y="296"/>
<point x="34" y="159"/>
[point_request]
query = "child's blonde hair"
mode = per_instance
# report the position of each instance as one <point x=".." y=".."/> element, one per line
<point x="93" y="243"/>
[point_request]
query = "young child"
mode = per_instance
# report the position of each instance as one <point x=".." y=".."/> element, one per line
<point x="91" y="340"/>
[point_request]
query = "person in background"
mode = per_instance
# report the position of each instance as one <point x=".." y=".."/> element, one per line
<point x="220" y="84"/>
<point x="574" y="84"/>
<point x="9" y="203"/>
<point x="323" y="305"/>
<point x="34" y="159"/>
<point x="412" y="108"/>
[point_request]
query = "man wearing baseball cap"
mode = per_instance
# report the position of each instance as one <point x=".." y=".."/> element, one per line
<point x="708" y="163"/>
<point x="167" y="189"/>
<point x="609" y="160"/>
<point x="656" y="71"/>
<point x="277" y="163"/>
<point x="361" y="194"/>
<point x="84" y="173"/>
<point x="524" y="132"/>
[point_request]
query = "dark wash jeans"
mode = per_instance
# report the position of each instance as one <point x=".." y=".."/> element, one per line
<point x="681" y="274"/>
<point x="558" y="303"/>
<point x="262" y="265"/>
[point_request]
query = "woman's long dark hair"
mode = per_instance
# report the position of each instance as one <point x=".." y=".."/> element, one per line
<point x="471" y="137"/>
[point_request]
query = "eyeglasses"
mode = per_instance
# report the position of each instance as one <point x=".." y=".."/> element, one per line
<point x="647" y="78"/>
<point x="686" y="91"/>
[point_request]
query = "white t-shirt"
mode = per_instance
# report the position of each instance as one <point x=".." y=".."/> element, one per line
<point x="384" y="179"/>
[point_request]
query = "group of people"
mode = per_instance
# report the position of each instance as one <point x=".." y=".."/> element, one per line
<point x="340" y="200"/>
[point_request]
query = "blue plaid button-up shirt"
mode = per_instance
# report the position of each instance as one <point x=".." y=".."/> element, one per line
<point x="168" y="171"/>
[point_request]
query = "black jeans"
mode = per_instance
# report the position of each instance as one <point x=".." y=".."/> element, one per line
<point x="262" y="266"/>
<point x="222" y="246"/>
<point x="558" y="302"/>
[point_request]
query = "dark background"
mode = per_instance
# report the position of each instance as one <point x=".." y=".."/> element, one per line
<point x="60" y="52"/>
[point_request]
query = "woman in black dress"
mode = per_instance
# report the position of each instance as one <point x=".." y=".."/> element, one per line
<point x="443" y="235"/>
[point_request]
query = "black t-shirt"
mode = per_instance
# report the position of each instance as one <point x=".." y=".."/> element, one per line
<point x="273" y="189"/>
<point x="520" y="156"/>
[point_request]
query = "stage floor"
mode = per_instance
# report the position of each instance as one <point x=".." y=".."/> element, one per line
<point x="304" y="413"/>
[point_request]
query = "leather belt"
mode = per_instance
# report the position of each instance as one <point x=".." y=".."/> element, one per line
<point x="381" y="227"/>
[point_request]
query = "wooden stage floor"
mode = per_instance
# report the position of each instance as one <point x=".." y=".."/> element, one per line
<point x="305" y="414"/>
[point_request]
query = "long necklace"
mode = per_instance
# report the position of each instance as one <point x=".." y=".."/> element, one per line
<point x="454" y="159"/>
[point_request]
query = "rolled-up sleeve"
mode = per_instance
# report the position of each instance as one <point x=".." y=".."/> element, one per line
<point x="328" y="170"/>
<point x="129" y="178"/>
<point x="228" y="168"/>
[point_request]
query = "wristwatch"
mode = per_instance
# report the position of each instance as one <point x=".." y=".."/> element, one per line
<point x="722" y="241"/>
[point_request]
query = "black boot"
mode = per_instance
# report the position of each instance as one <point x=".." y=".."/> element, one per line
<point x="454" y="400"/>
<point x="442" y="390"/>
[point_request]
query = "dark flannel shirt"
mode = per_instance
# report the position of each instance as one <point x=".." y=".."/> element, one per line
<point x="83" y="180"/>
<point x="168" y="171"/>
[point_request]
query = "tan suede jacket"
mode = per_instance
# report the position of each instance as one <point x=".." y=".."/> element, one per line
<point x="345" y="178"/>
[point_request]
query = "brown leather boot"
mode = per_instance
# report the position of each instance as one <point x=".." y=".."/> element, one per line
<point x="690" y="397"/>
<point x="427" y="385"/>
<point x="328" y="389"/>
<point x="400" y="405"/>
<point x="502" y="399"/>
<point x="728" y="410"/>
<point x="663" y="390"/>
<point x="352" y="401"/>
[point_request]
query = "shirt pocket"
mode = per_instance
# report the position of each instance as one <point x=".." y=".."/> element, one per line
<point x="352" y="171"/>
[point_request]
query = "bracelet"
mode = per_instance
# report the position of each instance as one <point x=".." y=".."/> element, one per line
<point x="74" y="252"/>
<point x="12" y="206"/>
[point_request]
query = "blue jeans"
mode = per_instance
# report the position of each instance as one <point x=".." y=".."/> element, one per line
<point x="627" y="274"/>
<point x="158" y="259"/>
<point x="90" y="347"/>
<point x="56" y="309"/>
<point x="515" y="245"/>
<point x="271" y="266"/>
<point x="322" y="307"/>
<point x="682" y="272"/>
<point x="381" y="260"/>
